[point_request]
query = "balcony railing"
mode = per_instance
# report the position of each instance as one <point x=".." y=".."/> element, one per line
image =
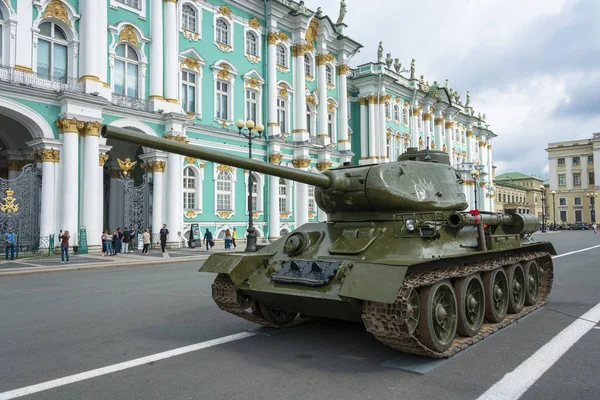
<point x="39" y="81"/>
<point x="130" y="102"/>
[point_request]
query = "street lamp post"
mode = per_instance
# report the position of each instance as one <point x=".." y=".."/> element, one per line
<point x="592" y="197"/>
<point x="475" y="175"/>
<point x="253" y="131"/>
<point x="543" y="189"/>
<point x="553" y="193"/>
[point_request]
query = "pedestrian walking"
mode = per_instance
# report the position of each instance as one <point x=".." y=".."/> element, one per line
<point x="233" y="237"/>
<point x="146" y="240"/>
<point x="132" y="235"/>
<point x="595" y="227"/>
<point x="11" y="239"/>
<point x="64" y="245"/>
<point x="119" y="240"/>
<point x="164" y="232"/>
<point x="208" y="239"/>
<point x="126" y="239"/>
<point x="227" y="239"/>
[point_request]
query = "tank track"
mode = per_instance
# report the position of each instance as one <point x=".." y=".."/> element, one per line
<point x="225" y="295"/>
<point x="387" y="321"/>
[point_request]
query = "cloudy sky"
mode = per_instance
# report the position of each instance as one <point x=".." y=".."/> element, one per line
<point x="533" y="66"/>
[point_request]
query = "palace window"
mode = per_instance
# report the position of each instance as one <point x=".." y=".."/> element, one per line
<point x="308" y="120"/>
<point x="131" y="3"/>
<point x="504" y="198"/>
<point x="578" y="216"/>
<point x="576" y="161"/>
<point x="188" y="91"/>
<point x="282" y="114"/>
<point x="224" y="187"/>
<point x="251" y="44"/>
<point x="307" y="65"/>
<point x="388" y="111"/>
<point x="251" y="105"/>
<point x="577" y="201"/>
<point x="562" y="201"/>
<point x="222" y="106"/>
<point x="189" y="20"/>
<point x="562" y="180"/>
<point x="189" y="189"/>
<point x="283" y="195"/>
<point x="576" y="179"/>
<point x="329" y="74"/>
<point x="396" y="113"/>
<point x="312" y="208"/>
<point x="330" y="125"/>
<point x="590" y="159"/>
<point x="126" y="71"/>
<point x="388" y="148"/>
<point x="591" y="179"/>
<point x="398" y="147"/>
<point x="254" y="192"/>
<point x="405" y="115"/>
<point x="52" y="52"/>
<point x="281" y="56"/>
<point x="222" y="33"/>
<point x="561" y="162"/>
<point x="563" y="216"/>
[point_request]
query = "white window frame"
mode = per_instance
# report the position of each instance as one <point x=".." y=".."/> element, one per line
<point x="256" y="101"/>
<point x="197" y="190"/>
<point x="388" y="147"/>
<point x="198" y="28"/>
<point x="53" y="42"/>
<point x="199" y="71"/>
<point x="253" y="58"/>
<point x="309" y="65"/>
<point x="140" y="49"/>
<point x="397" y="113"/>
<point x="285" y="56"/>
<point x="232" y="172"/>
<point x="260" y="190"/>
<point x="330" y="73"/>
<point x="229" y="47"/>
<point x="288" y="196"/>
<point x="566" y="202"/>
<point x="8" y="28"/>
<point x="388" y="110"/>
<point x="137" y="63"/>
<point x="197" y="86"/>
<point x="312" y="203"/>
<point x="232" y="72"/>
<point x="141" y="12"/>
<point x="405" y="116"/>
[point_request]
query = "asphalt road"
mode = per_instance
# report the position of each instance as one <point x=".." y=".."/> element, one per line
<point x="56" y="325"/>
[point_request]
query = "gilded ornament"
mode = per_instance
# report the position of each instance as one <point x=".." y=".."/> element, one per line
<point x="322" y="59"/>
<point x="126" y="165"/>
<point x="372" y="99"/>
<point x="224" y="72"/>
<point x="284" y="215"/>
<point x="275" y="158"/>
<point x="253" y="83"/>
<point x="310" y="99"/>
<point x="224" y="214"/>
<point x="156" y="166"/>
<point x="92" y="129"/>
<point x="398" y="100"/>
<point x="439" y="120"/>
<point x="191" y="35"/>
<point x="449" y="124"/>
<point x="57" y="9"/>
<point x="282" y="69"/>
<point x="312" y="31"/>
<point x="16" y="165"/>
<point x="253" y="22"/>
<point x="324" y="165"/>
<point x="226" y="11"/>
<point x="283" y="36"/>
<point x="301" y="162"/>
<point x="426" y="117"/>
<point x="252" y="59"/>
<point x="224" y="47"/>
<point x="330" y="106"/>
<point x="102" y="159"/>
<point x="190" y="214"/>
<point x="255" y="215"/>
<point x="432" y="145"/>
<point x="177" y="138"/>
<point x="191" y="160"/>
<point x="362" y="101"/>
<point x="444" y="147"/>
<point x="192" y="63"/>
<point x="272" y="38"/>
<point x="330" y="86"/>
<point x="343" y="69"/>
<point x="226" y="168"/>
<point x="49" y="155"/>
<point x="311" y="215"/>
<point x="127" y="34"/>
<point x="283" y="92"/>
<point x="489" y="146"/>
<point x="9" y="204"/>
<point x="72" y="125"/>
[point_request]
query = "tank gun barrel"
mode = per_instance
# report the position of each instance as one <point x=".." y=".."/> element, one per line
<point x="171" y="146"/>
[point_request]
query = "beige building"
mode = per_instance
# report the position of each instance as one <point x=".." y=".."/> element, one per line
<point x="520" y="193"/>
<point x="574" y="166"/>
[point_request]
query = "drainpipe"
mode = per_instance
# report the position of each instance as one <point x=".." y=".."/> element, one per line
<point x="266" y="103"/>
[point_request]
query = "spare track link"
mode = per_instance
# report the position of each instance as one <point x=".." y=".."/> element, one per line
<point x="387" y="321"/>
<point x="226" y="296"/>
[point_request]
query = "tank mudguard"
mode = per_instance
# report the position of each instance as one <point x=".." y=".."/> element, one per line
<point x="374" y="282"/>
<point x="239" y="266"/>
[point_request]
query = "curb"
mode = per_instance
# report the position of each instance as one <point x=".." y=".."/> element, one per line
<point x="95" y="266"/>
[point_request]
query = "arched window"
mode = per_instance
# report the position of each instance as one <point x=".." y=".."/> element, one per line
<point x="307" y="65"/>
<point x="282" y="113"/>
<point x="222" y="32"/>
<point x="254" y="192"/>
<point x="224" y="191"/>
<point x="308" y="115"/>
<point x="281" y="56"/>
<point x="188" y="91"/>
<point x="126" y="71"/>
<point x="189" y="189"/>
<point x="405" y="115"/>
<point x="329" y="74"/>
<point x="420" y="122"/>
<point x="251" y="44"/>
<point x="388" y="111"/>
<point x="283" y="195"/>
<point x="52" y="52"/>
<point x="396" y="113"/>
<point x="312" y="207"/>
<point x="188" y="18"/>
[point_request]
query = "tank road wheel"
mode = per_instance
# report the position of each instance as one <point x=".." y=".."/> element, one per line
<point x="534" y="283"/>
<point x="471" y="304"/>
<point x="495" y="285"/>
<point x="437" y="322"/>
<point x="516" y="293"/>
<point x="278" y="317"/>
<point x="413" y="311"/>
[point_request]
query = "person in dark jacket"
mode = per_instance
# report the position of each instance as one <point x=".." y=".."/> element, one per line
<point x="164" y="232"/>
<point x="208" y="239"/>
<point x="126" y="238"/>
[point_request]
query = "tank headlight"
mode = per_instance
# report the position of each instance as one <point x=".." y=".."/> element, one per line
<point x="410" y="225"/>
<point x="295" y="243"/>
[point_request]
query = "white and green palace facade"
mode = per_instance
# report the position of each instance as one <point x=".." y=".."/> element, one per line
<point x="186" y="70"/>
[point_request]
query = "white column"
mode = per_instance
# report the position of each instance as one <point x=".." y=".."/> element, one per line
<point x="301" y="215"/>
<point x="114" y="206"/>
<point x="321" y="60"/>
<point x="448" y="125"/>
<point x="274" y="226"/>
<point x="273" y="127"/>
<point x="414" y="125"/>
<point x="372" y="132"/>
<point x="438" y="130"/>
<point x="300" y="134"/>
<point x="69" y="128"/>
<point x="49" y="159"/>
<point x="174" y="196"/>
<point x="381" y="133"/>
<point x="364" y="133"/>
<point x="24" y="36"/>
<point x="93" y="67"/>
<point x="91" y="215"/>
<point x="156" y="50"/>
<point x="170" y="57"/>
<point x="343" y="142"/>
<point x="469" y="144"/>
<point x="158" y="169"/>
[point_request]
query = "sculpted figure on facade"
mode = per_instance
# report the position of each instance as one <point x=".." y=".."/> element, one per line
<point x="319" y="12"/>
<point x="468" y="103"/>
<point x="380" y="52"/>
<point x="342" y="12"/>
<point x="388" y="60"/>
<point x="412" y="69"/>
<point x="397" y="65"/>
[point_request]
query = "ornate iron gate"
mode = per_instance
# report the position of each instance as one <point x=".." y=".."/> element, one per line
<point x="20" y="209"/>
<point x="138" y="203"/>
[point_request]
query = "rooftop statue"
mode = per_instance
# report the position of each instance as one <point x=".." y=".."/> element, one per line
<point x="397" y="65"/>
<point x="342" y="12"/>
<point x="412" y="69"/>
<point x="468" y="99"/>
<point x="388" y="60"/>
<point x="380" y="52"/>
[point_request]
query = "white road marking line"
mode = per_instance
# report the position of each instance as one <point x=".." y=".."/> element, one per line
<point x="13" y="394"/>
<point x="517" y="382"/>
<point x="576" y="251"/>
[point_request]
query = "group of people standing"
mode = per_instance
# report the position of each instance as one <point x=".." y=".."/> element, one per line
<point x="117" y="242"/>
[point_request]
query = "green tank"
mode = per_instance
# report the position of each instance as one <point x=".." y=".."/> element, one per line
<point x="398" y="253"/>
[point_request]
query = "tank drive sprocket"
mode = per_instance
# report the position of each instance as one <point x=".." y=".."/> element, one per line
<point x="388" y="322"/>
